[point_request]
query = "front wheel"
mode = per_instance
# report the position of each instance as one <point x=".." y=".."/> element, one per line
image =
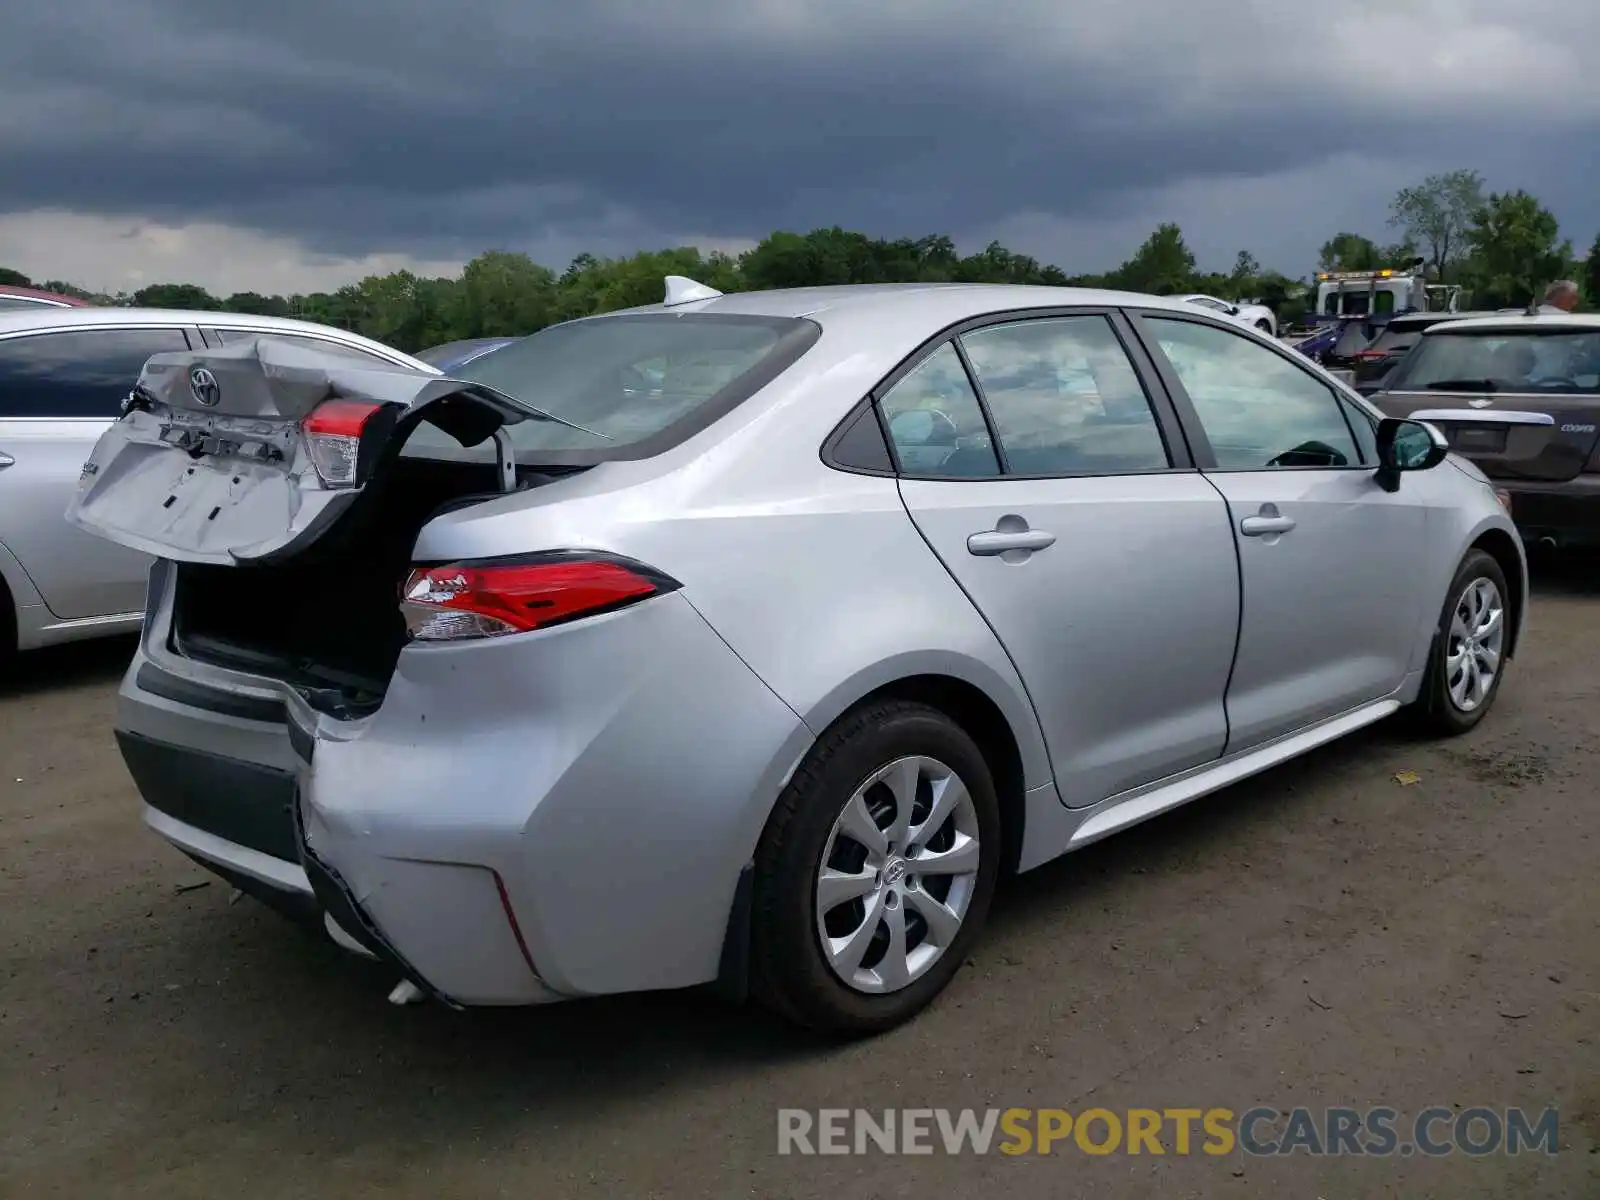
<point x="1467" y="661"/>
<point x="1265" y="326"/>
<point x="875" y="872"/>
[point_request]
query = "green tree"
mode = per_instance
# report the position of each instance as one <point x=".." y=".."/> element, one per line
<point x="257" y="305"/>
<point x="1162" y="266"/>
<point x="14" y="278"/>
<point x="1244" y="279"/>
<point x="1591" y="274"/>
<point x="174" y="295"/>
<point x="1516" y="250"/>
<point x="1437" y="215"/>
<point x="503" y="294"/>
<point x="1349" y="252"/>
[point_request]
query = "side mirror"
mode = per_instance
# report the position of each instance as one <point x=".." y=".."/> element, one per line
<point x="1407" y="446"/>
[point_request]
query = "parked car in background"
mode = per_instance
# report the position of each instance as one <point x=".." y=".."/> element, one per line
<point x="64" y="372"/>
<point x="1519" y="396"/>
<point x="26" y="299"/>
<point x="1372" y="362"/>
<point x="450" y="355"/>
<point x="1258" y="316"/>
<point x="763" y="673"/>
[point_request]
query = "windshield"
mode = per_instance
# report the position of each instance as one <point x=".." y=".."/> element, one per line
<point x="1557" y="363"/>
<point x="635" y="378"/>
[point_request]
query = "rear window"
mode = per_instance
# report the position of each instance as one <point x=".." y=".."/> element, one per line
<point x="1393" y="340"/>
<point x="637" y="383"/>
<point x="1502" y="360"/>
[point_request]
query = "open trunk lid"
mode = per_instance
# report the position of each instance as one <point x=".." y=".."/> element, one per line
<point x="251" y="452"/>
<point x="1538" y="437"/>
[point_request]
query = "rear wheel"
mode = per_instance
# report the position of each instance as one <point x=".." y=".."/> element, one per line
<point x="875" y="873"/>
<point x="1467" y="661"/>
<point x="8" y="627"/>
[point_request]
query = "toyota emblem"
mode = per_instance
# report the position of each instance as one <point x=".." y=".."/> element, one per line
<point x="203" y="386"/>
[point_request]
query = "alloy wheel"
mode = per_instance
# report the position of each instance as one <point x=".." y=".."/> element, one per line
<point x="1476" y="641"/>
<point x="897" y="875"/>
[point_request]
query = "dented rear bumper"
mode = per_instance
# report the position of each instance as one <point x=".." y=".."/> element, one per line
<point x="526" y="819"/>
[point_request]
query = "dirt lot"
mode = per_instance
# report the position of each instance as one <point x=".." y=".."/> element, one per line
<point x="1319" y="936"/>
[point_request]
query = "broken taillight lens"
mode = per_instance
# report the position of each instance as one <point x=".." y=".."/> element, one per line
<point x="482" y="599"/>
<point x="333" y="436"/>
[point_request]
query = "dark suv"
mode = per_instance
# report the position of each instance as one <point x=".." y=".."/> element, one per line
<point x="1519" y="397"/>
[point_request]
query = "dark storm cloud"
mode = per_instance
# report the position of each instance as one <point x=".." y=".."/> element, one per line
<point x="436" y="129"/>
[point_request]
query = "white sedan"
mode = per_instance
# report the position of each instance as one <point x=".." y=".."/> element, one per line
<point x="1258" y="315"/>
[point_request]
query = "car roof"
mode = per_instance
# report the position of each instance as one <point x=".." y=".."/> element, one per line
<point x="1512" y="323"/>
<point x="927" y="304"/>
<point x="1434" y="318"/>
<point x="61" y="319"/>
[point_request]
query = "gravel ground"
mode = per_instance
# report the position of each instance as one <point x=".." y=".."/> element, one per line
<point x="1322" y="935"/>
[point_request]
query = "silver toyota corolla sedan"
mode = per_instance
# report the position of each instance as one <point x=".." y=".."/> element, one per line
<point x="749" y="639"/>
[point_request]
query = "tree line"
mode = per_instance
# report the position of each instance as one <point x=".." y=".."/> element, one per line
<point x="1501" y="247"/>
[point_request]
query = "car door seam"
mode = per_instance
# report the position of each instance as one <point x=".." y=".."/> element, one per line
<point x="993" y="632"/>
<point x="1238" y="625"/>
<point x="733" y="651"/>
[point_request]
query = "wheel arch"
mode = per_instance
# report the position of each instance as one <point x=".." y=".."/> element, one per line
<point x="1503" y="548"/>
<point x="982" y="719"/>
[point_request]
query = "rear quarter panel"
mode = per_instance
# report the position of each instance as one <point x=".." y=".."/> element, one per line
<point x="816" y="578"/>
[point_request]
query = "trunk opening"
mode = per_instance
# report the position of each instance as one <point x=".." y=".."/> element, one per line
<point x="327" y="621"/>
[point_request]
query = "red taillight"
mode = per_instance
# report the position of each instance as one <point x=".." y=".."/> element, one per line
<point x="488" y="599"/>
<point x="333" y="435"/>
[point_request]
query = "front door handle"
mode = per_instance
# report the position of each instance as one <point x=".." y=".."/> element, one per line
<point x="5" y="459"/>
<point x="1268" y="520"/>
<point x="998" y="541"/>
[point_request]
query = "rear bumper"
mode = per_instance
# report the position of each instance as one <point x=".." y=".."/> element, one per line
<point x="1566" y="513"/>
<point x="558" y="814"/>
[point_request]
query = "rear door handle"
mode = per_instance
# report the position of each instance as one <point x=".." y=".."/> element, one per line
<point x="1264" y="524"/>
<point x="998" y="541"/>
<point x="5" y="459"/>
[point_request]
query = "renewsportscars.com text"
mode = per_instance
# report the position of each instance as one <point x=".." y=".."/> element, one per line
<point x="1260" y="1131"/>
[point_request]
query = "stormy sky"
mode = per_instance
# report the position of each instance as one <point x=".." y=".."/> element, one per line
<point x="302" y="143"/>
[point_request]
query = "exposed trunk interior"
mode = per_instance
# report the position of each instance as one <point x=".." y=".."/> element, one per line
<point x="328" y="620"/>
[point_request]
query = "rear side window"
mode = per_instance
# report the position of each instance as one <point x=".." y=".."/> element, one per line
<point x="87" y="373"/>
<point x="936" y="423"/>
<point x="1064" y="398"/>
<point x="640" y="380"/>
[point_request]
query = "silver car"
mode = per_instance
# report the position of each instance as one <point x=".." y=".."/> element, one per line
<point x="64" y="373"/>
<point x="539" y="685"/>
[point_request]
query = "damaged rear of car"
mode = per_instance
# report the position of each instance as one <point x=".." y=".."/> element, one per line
<point x="323" y="695"/>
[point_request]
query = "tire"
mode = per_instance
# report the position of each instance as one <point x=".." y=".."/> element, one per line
<point x="1438" y="710"/>
<point x="791" y="971"/>
<point x="1265" y="327"/>
<point x="8" y="629"/>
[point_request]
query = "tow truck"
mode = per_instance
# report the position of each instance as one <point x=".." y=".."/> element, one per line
<point x="1353" y="306"/>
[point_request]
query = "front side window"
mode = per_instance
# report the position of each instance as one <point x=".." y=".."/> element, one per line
<point x="1064" y="398"/>
<point x="86" y="373"/>
<point x="1259" y="411"/>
